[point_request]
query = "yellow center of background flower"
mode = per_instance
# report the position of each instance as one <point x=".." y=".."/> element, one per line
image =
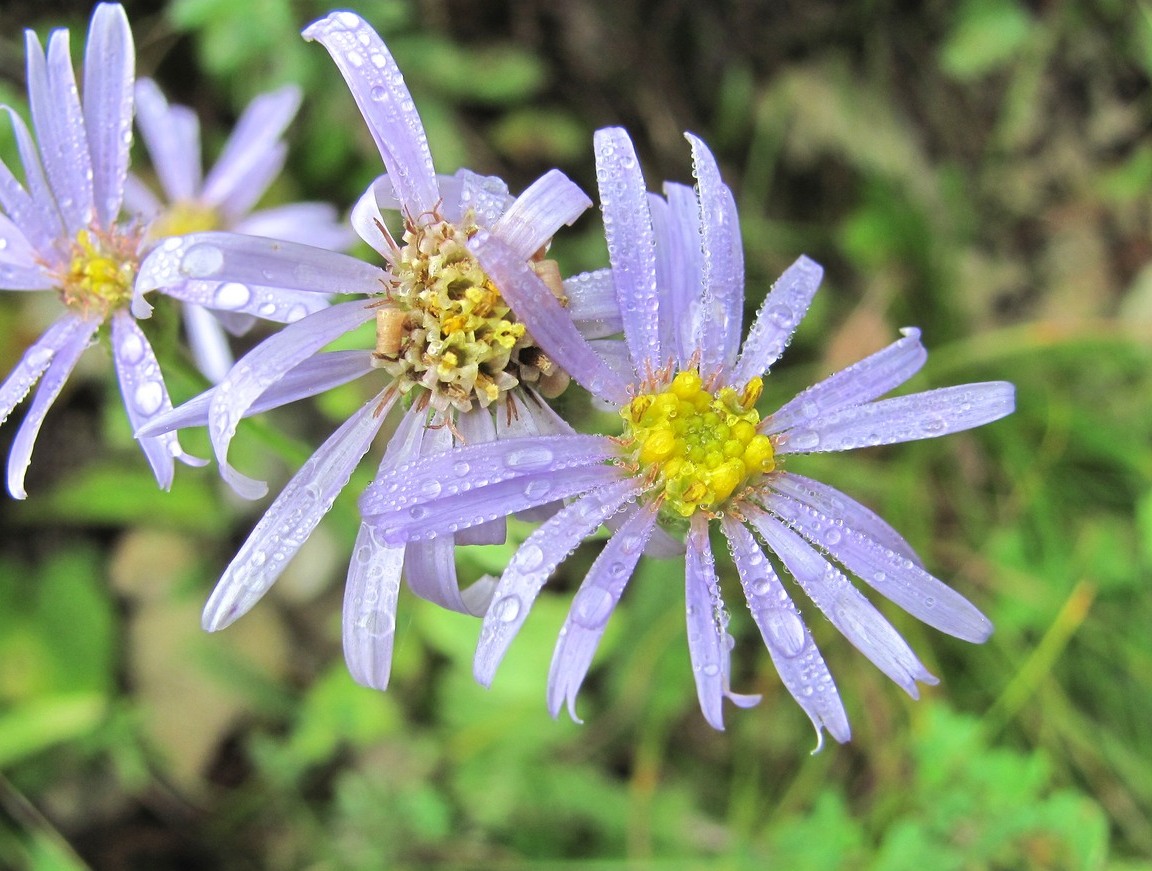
<point x="183" y="218"/>
<point x="699" y="446"/>
<point x="100" y="273"/>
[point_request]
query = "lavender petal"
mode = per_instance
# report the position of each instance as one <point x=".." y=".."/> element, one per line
<point x="476" y="426"/>
<point x="315" y="224"/>
<point x="207" y="342"/>
<point x="369" y="223"/>
<point x="65" y="346"/>
<point x="275" y="304"/>
<point x="485" y="195"/>
<point x="592" y="304"/>
<point x="777" y="319"/>
<point x="902" y="419"/>
<point x="860" y="383"/>
<point x="705" y="632"/>
<point x="684" y="287"/>
<point x="794" y="653"/>
<point x="379" y="90"/>
<point x="36" y="361"/>
<point x="631" y="245"/>
<point x="369" y="618"/>
<point x="549" y="203"/>
<point x="172" y="136"/>
<point x="593" y="604"/>
<point x="431" y="572"/>
<point x="33" y="210"/>
<point x="109" y="69"/>
<point x="291" y="518"/>
<point x="534" y="561"/>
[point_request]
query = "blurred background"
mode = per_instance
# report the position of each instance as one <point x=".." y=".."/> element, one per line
<point x="980" y="169"/>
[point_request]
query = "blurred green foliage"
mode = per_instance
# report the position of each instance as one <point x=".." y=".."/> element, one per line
<point x="981" y="170"/>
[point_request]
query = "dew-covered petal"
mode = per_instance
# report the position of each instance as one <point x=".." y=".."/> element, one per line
<point x="33" y="210"/>
<point x="172" y="136"/>
<point x="206" y="340"/>
<point x="704" y="611"/>
<point x="315" y="224"/>
<point x="55" y="356"/>
<point x="861" y="382"/>
<point x="549" y="203"/>
<point x="848" y="610"/>
<point x="534" y="561"/>
<point x="146" y="396"/>
<point x="902" y="419"/>
<point x="55" y="104"/>
<point x="291" y="518"/>
<point x="722" y="303"/>
<point x="20" y="266"/>
<point x="892" y="574"/>
<point x="527" y="414"/>
<point x="265" y="365"/>
<point x="593" y="605"/>
<point x="449" y="476"/>
<point x="631" y="245"/>
<point x="547" y="320"/>
<point x="834" y="503"/>
<point x="430" y="567"/>
<point x="275" y="304"/>
<point x="592" y="304"/>
<point x="369" y="618"/>
<point x="311" y="377"/>
<point x="682" y="288"/>
<point x="379" y="90"/>
<point x="777" y="319"/>
<point x="486" y="196"/>
<point x="794" y="653"/>
<point x="240" y="176"/>
<point x="109" y="70"/>
<point x="476" y="426"/>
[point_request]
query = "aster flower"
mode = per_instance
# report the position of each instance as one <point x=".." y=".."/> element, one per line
<point x="61" y="232"/>
<point x="189" y="202"/>
<point x="695" y="449"/>
<point x="446" y="343"/>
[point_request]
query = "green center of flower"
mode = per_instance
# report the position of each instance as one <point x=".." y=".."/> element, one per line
<point x="100" y="272"/>
<point x="445" y="326"/>
<point x="699" y="446"/>
<point x="183" y="218"/>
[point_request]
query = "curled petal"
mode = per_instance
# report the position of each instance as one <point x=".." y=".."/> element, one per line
<point x="207" y="342"/>
<point x="293" y="515"/>
<point x="549" y="203"/>
<point x="777" y="319"/>
<point x="486" y="196"/>
<point x="369" y="618"/>
<point x="431" y="573"/>
<point x="790" y="644"/>
<point x="593" y="605"/>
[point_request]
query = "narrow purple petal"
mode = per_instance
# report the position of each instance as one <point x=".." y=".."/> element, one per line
<point x="704" y="611"/>
<point x="252" y="261"/>
<point x="369" y="620"/>
<point x="140" y="201"/>
<point x="275" y="304"/>
<point x="33" y="210"/>
<point x="265" y="365"/>
<point x="535" y="560"/>
<point x="593" y="605"/>
<point x="36" y="361"/>
<point x="547" y="320"/>
<point x="430" y="567"/>
<point x="55" y="103"/>
<point x="69" y="343"/>
<point x="834" y="503"/>
<point x="549" y="203"/>
<point x="369" y="223"/>
<point x="842" y="603"/>
<point x="240" y="176"/>
<point x="109" y="70"/>
<point x="893" y="575"/>
<point x="172" y="136"/>
<point x="379" y="90"/>
<point x="291" y="518"/>
<point x="430" y="478"/>
<point x="722" y="303"/>
<point x="903" y="419"/>
<point x="311" y="377"/>
<point x="683" y="288"/>
<point x="207" y="342"/>
<point x="592" y="304"/>
<point x="631" y="245"/>
<point x="526" y="414"/>
<point x="476" y="426"/>
<point x="485" y="195"/>
<point x="24" y="278"/>
<point x="146" y="396"/>
<point x="777" y="319"/>
<point x="794" y="653"/>
<point x="861" y="382"/>
<point x="315" y="224"/>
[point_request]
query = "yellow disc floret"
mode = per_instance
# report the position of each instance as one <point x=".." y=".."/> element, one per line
<point x="699" y="446"/>
<point x="99" y="273"/>
<point x="182" y="218"/>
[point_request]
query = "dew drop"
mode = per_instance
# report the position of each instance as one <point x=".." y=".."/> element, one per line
<point x="832" y="536"/>
<point x="805" y="440"/>
<point x="536" y="489"/>
<point x="131" y="348"/>
<point x="231" y="295"/>
<point x="879" y="577"/>
<point x="506" y="609"/>
<point x="148" y="398"/>
<point x="617" y="570"/>
<point x="461" y="468"/>
<point x="592" y="607"/>
<point x="430" y="488"/>
<point x="416" y="512"/>
<point x="781" y="316"/>
<point x="528" y="459"/>
<point x="529" y="558"/>
<point x="377" y="624"/>
<point x="760" y="586"/>
<point x="785" y="631"/>
<point x="379" y="92"/>
<point x="711" y="670"/>
<point x="202" y="261"/>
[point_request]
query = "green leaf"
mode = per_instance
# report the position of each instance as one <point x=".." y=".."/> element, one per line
<point x="36" y="725"/>
<point x="988" y="34"/>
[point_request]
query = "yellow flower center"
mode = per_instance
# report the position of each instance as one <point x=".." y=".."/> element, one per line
<point x="183" y="218"/>
<point x="100" y="272"/>
<point x="446" y="327"/>
<point x="700" y="447"/>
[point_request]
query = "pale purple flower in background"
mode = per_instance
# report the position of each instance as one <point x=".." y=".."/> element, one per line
<point x="189" y="202"/>
<point x="61" y="232"/>
<point x="445" y="339"/>
<point x="694" y="449"/>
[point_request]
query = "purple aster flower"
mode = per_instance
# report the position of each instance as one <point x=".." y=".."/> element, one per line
<point x="446" y="342"/>
<point x="694" y="449"/>
<point x="61" y="232"/>
<point x="189" y="202"/>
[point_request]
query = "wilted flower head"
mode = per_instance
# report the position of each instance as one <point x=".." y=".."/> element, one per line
<point x="61" y="232"/>
<point x="696" y="449"/>
<point x="190" y="202"/>
<point x="446" y="341"/>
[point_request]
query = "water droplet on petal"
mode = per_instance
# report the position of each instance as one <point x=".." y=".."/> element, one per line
<point x="781" y="316"/>
<point x="231" y="295"/>
<point x="506" y="609"/>
<point x="377" y="624"/>
<point x="202" y="261"/>
<point x="785" y="631"/>
<point x="528" y="459"/>
<point x="295" y="313"/>
<point x="39" y="358"/>
<point x="461" y="468"/>
<point x="379" y="93"/>
<point x="536" y="489"/>
<point x="832" y="535"/>
<point x="529" y="558"/>
<point x="148" y="398"/>
<point x="592" y="607"/>
<point x="430" y="488"/>
<point x="805" y="440"/>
